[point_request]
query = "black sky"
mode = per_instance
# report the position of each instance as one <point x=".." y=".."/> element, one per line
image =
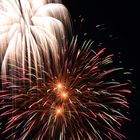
<point x="121" y="20"/>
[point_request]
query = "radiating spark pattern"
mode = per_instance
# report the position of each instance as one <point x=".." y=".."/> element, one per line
<point x="74" y="101"/>
<point x="53" y="88"/>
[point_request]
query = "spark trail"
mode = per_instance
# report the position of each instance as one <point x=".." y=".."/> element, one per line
<point x="31" y="30"/>
<point x="74" y="101"/>
<point x="53" y="88"/>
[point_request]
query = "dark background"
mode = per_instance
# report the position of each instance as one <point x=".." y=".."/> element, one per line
<point x="120" y="20"/>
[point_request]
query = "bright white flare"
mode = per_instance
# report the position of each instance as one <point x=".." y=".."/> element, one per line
<point x="30" y="30"/>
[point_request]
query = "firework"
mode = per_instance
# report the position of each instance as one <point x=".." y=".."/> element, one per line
<point x="53" y="88"/>
<point x="75" y="101"/>
<point x="31" y="30"/>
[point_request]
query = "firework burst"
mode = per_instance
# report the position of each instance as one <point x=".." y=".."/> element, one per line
<point x="51" y="88"/>
<point x="74" y="100"/>
<point x="31" y="30"/>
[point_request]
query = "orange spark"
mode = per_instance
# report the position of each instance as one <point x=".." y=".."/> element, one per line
<point x="59" y="111"/>
<point x="64" y="95"/>
<point x="59" y="86"/>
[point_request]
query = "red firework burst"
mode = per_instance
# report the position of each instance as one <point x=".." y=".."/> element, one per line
<point x="73" y="99"/>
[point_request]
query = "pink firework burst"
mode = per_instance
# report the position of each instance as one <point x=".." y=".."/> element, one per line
<point x="73" y="99"/>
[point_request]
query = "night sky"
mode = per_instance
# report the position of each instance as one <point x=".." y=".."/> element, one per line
<point x="118" y="19"/>
<point x="115" y="24"/>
